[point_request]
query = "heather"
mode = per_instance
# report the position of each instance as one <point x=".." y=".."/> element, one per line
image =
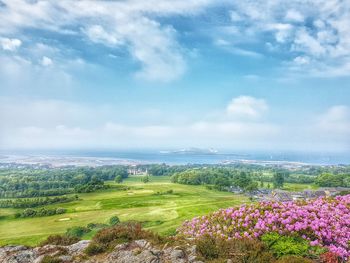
<point x="323" y="223"/>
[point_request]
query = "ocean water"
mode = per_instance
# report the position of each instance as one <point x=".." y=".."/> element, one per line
<point x="156" y="156"/>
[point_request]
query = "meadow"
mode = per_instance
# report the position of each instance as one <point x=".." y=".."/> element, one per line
<point x="145" y="202"/>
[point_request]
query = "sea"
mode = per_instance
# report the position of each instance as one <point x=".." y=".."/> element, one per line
<point x="202" y="157"/>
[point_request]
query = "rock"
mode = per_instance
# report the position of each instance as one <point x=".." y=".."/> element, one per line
<point x="139" y="251"/>
<point x="65" y="258"/>
<point x="77" y="248"/>
<point x="121" y="246"/>
<point x="177" y="254"/>
<point x="39" y="259"/>
<point x="142" y="243"/>
<point x="192" y="256"/>
<point x="125" y="256"/>
<point x="17" y="254"/>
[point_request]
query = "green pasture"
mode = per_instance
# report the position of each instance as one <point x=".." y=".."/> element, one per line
<point x="162" y="213"/>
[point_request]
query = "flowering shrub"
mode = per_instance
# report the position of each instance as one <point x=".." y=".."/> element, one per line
<point x="323" y="222"/>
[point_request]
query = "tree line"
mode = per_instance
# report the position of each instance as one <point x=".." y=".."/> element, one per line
<point x="26" y="183"/>
<point x="35" y="202"/>
<point x="29" y="212"/>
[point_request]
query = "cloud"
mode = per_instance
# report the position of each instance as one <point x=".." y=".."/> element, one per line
<point x="97" y="34"/>
<point x="10" y="44"/>
<point x="293" y="15"/>
<point x="55" y="124"/>
<point x="131" y="25"/>
<point x="45" y="61"/>
<point x="336" y="121"/>
<point x="247" y="107"/>
<point x="313" y="29"/>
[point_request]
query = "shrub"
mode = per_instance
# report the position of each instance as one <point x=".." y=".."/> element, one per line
<point x="207" y="248"/>
<point x="293" y="259"/>
<point x="316" y="221"/>
<point x="94" y="249"/>
<point x="61" y="240"/>
<point x="96" y="225"/>
<point x="238" y="250"/>
<point x="121" y="233"/>
<point x="29" y="212"/>
<point x="77" y="231"/>
<point x="330" y="257"/>
<point x="286" y="245"/>
<point x="50" y="259"/>
<point x="114" y="220"/>
<point x="60" y="210"/>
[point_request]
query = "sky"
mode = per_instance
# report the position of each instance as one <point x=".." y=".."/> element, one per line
<point x="239" y="75"/>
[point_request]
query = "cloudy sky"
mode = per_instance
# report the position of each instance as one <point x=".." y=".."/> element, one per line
<point x="238" y="75"/>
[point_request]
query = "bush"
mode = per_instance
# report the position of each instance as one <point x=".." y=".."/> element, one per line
<point x="92" y="226"/>
<point x="293" y="259"/>
<point x="124" y="232"/>
<point x="207" y="247"/>
<point x="114" y="220"/>
<point x="50" y="259"/>
<point x="60" y="240"/>
<point x="238" y="250"/>
<point x="286" y="245"/>
<point x="77" y="231"/>
<point x="94" y="249"/>
<point x="29" y="212"/>
<point x="330" y="257"/>
<point x="60" y="210"/>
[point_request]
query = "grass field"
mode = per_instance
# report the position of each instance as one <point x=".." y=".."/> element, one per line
<point x="161" y="213"/>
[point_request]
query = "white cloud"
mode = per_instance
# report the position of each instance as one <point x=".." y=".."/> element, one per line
<point x="46" y="61"/>
<point x="247" y="107"/>
<point x="315" y="29"/>
<point x="234" y="49"/>
<point x="66" y="125"/>
<point x="305" y="42"/>
<point x="293" y="15"/>
<point x="301" y="60"/>
<point x="97" y="34"/>
<point x="116" y="24"/>
<point x="10" y="44"/>
<point x="336" y="121"/>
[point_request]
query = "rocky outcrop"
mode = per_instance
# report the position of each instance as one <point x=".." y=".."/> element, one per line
<point x="139" y="251"/>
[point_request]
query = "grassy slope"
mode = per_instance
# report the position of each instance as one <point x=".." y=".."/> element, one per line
<point x="162" y="213"/>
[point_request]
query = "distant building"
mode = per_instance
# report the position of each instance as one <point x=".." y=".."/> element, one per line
<point x="134" y="170"/>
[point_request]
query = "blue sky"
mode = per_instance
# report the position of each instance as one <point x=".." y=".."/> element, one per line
<point x="234" y="75"/>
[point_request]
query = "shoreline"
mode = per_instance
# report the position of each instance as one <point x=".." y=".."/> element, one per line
<point x="52" y="161"/>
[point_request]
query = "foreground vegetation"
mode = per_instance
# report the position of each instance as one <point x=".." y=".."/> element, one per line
<point x="271" y="247"/>
<point x="38" y="202"/>
<point x="317" y="225"/>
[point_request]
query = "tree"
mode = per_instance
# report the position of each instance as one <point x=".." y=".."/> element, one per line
<point x="145" y="179"/>
<point x="114" y="220"/>
<point x="330" y="180"/>
<point x="77" y="231"/>
<point x="242" y="180"/>
<point x="278" y="180"/>
<point x="118" y="179"/>
<point x="261" y="183"/>
<point x="222" y="182"/>
<point x="251" y="187"/>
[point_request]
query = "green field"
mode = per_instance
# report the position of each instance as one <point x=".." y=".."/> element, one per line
<point x="161" y="213"/>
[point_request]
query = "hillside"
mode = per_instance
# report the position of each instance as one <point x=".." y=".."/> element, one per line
<point x="313" y="231"/>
